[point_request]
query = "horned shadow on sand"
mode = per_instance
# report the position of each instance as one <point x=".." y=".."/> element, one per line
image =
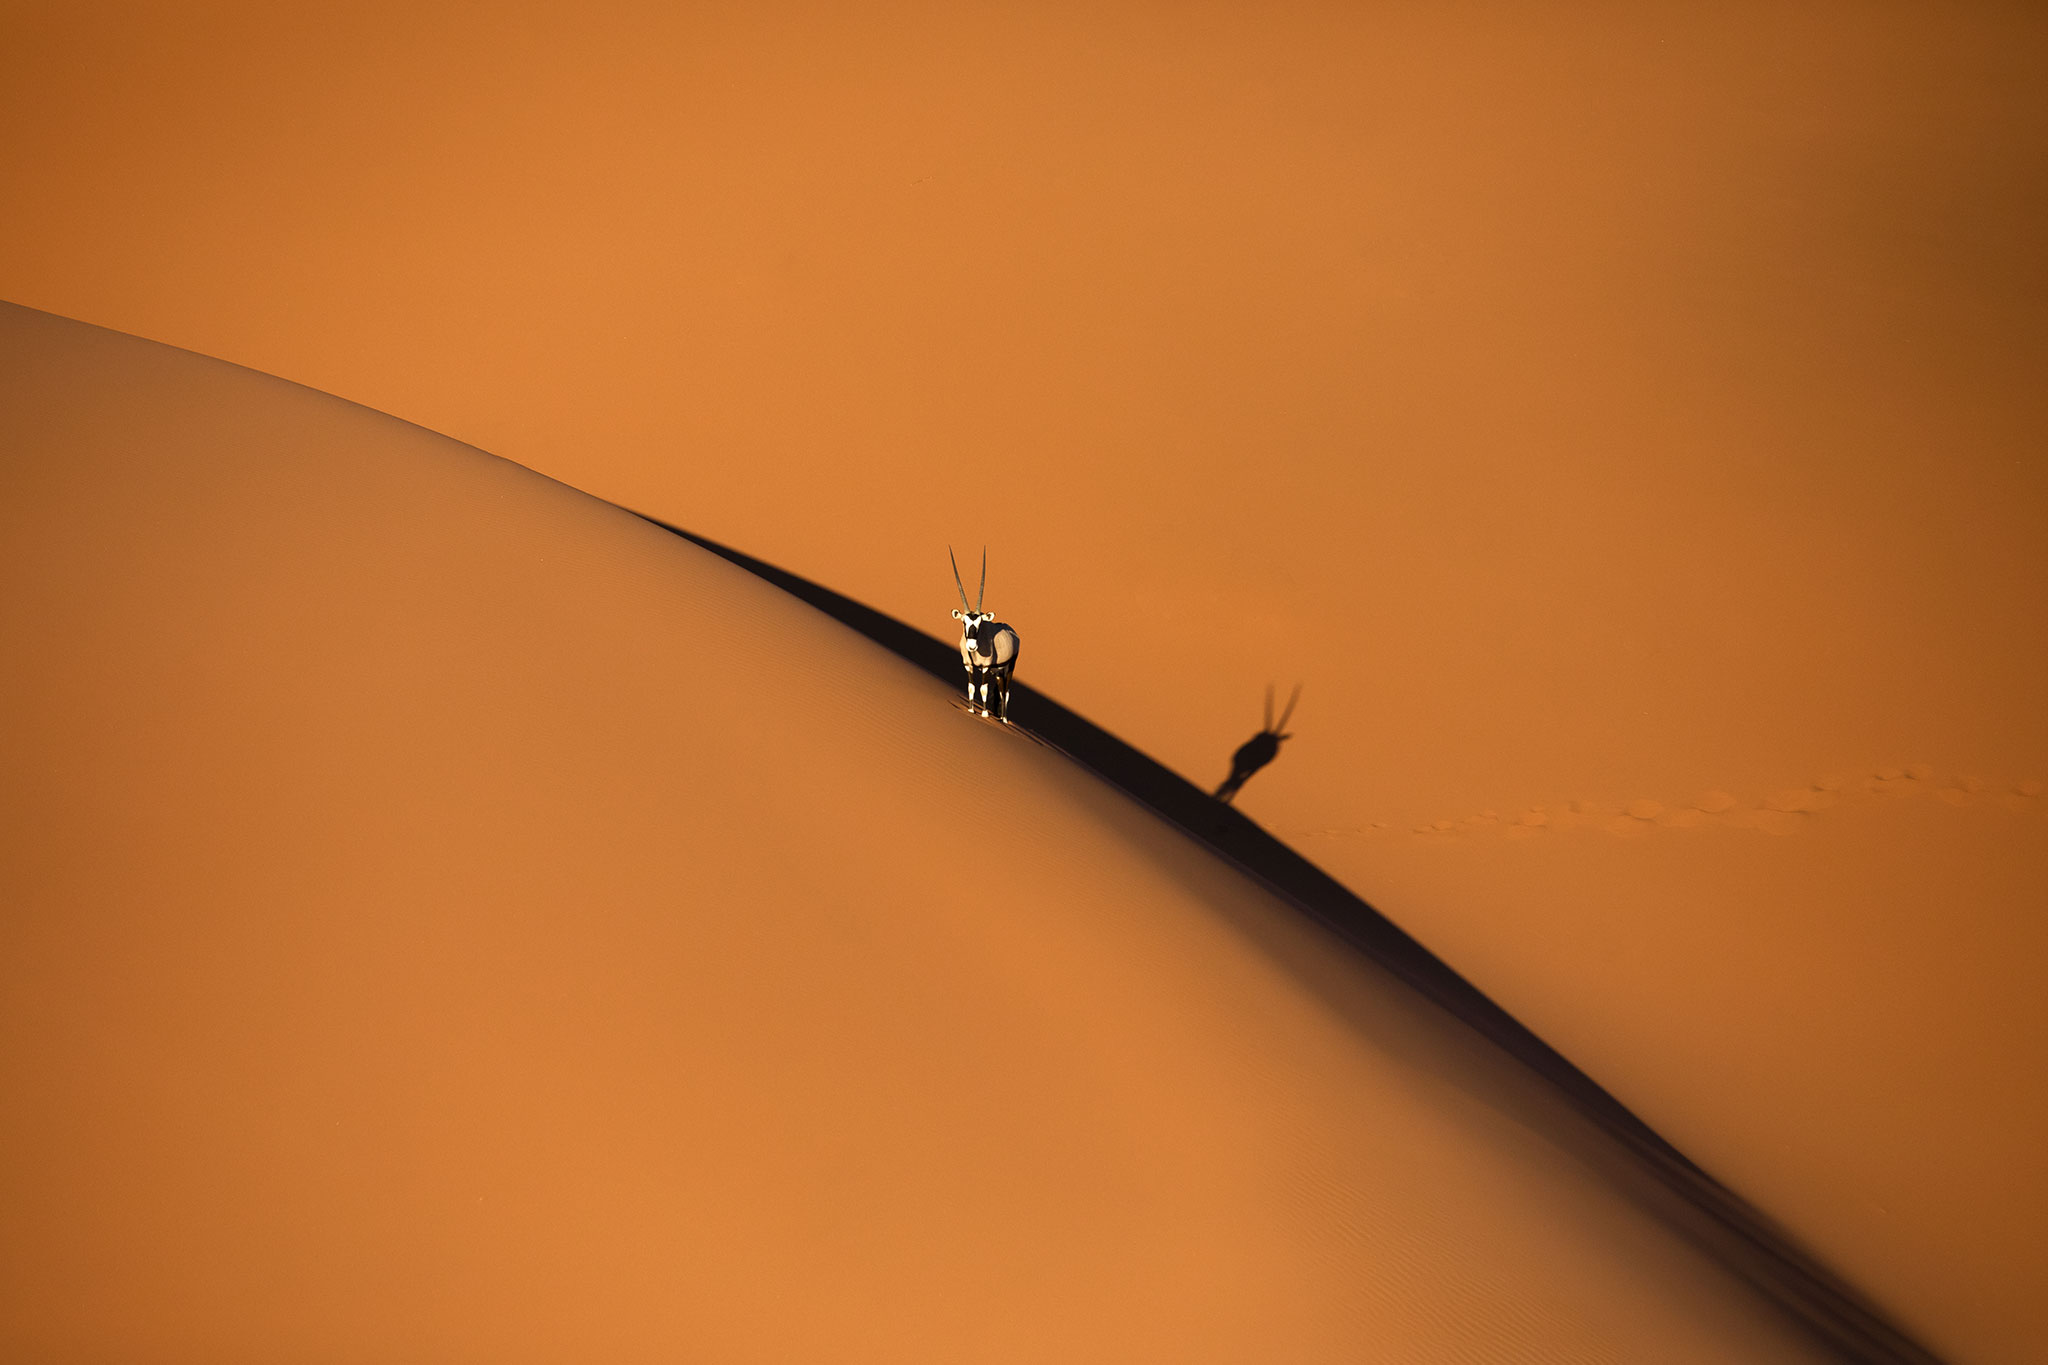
<point x="1782" y="812"/>
<point x="1260" y="750"/>
<point x="1572" y="1111"/>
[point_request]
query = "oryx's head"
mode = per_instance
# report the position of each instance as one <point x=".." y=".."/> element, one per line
<point x="970" y="618"/>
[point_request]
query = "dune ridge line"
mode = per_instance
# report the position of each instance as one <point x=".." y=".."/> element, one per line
<point x="1737" y="1234"/>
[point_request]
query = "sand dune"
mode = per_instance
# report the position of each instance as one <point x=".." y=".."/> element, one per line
<point x="451" y="918"/>
<point x="1589" y="404"/>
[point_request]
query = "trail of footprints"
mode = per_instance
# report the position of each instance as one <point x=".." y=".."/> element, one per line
<point x="1783" y="812"/>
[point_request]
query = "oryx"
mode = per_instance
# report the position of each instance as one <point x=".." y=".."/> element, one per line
<point x="987" y="647"/>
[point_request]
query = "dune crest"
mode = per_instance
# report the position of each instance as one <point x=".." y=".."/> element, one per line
<point x="453" y="917"/>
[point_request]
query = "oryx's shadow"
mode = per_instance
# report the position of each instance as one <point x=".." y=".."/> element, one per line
<point x="1261" y="749"/>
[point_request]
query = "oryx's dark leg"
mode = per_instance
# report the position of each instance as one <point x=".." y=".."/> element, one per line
<point x="1003" y="698"/>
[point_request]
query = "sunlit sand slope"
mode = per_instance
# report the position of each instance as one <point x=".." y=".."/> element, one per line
<point x="451" y="919"/>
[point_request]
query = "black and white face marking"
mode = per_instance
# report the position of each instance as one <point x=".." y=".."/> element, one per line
<point x="974" y="631"/>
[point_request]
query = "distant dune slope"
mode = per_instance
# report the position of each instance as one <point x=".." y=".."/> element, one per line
<point x="449" y="918"/>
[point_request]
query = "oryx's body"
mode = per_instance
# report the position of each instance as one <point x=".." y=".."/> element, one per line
<point x="988" y="649"/>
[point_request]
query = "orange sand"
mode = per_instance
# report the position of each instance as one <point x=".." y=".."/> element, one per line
<point x="1592" y="404"/>
<point x="450" y="918"/>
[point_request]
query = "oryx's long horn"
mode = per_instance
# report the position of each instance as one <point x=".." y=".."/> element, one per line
<point x="982" y="591"/>
<point x="956" y="579"/>
<point x="1293" y="697"/>
<point x="1269" y="706"/>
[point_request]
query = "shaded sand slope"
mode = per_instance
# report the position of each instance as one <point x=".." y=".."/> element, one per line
<point x="451" y="919"/>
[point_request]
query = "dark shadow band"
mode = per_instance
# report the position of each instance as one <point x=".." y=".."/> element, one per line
<point x="1732" y="1231"/>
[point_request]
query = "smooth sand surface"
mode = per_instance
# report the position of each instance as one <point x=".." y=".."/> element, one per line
<point x="1587" y="403"/>
<point x="1838" y="1007"/>
<point x="452" y="919"/>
